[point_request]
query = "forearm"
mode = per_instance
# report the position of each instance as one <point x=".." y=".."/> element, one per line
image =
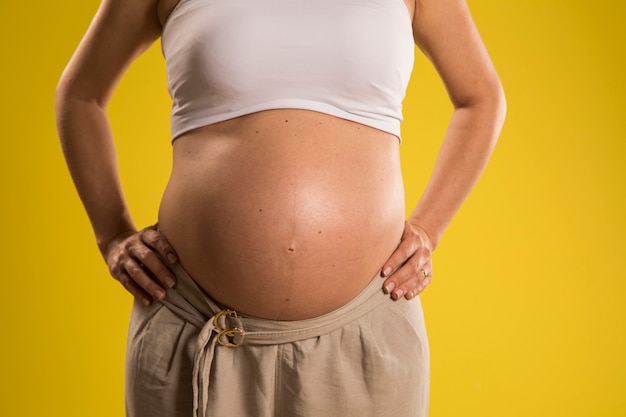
<point x="467" y="146"/>
<point x="90" y="155"/>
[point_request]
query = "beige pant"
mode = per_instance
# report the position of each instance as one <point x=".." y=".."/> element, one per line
<point x="190" y="357"/>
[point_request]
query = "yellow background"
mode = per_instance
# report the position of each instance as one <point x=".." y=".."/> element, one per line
<point x="527" y="312"/>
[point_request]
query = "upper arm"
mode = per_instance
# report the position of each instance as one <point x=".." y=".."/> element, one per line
<point x="445" y="31"/>
<point x="120" y="31"/>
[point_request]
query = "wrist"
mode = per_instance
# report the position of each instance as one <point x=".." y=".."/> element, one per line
<point x="423" y="230"/>
<point x="105" y="243"/>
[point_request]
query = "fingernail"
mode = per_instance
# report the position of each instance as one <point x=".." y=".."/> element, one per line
<point x="169" y="281"/>
<point x="159" y="294"/>
<point x="146" y="302"/>
<point x="387" y="271"/>
<point x="172" y="258"/>
<point x="398" y="294"/>
<point x="389" y="287"/>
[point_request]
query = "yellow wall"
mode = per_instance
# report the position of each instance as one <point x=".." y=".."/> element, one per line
<point x="527" y="312"/>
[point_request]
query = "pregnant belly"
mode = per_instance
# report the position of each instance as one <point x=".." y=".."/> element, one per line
<point x="282" y="229"/>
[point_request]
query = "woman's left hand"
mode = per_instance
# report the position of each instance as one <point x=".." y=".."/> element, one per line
<point x="409" y="269"/>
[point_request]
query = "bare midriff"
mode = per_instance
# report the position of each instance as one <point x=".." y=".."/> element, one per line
<point x="284" y="214"/>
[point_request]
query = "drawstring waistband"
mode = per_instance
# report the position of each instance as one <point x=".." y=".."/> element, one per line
<point x="224" y="328"/>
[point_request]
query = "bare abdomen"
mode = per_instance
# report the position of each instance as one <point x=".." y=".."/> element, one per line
<point x="284" y="214"/>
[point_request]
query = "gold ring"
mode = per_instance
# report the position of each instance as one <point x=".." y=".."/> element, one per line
<point x="423" y="271"/>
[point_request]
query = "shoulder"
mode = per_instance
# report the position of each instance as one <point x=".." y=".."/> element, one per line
<point x="443" y="16"/>
<point x="445" y="31"/>
<point x="164" y="8"/>
<point x="119" y="32"/>
<point x="135" y="14"/>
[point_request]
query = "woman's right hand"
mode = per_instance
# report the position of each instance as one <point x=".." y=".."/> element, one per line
<point x="133" y="259"/>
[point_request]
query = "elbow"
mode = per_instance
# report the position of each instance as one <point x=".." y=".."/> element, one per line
<point x="496" y="113"/>
<point x="487" y="106"/>
<point x="492" y="110"/>
<point x="489" y="97"/>
<point x="483" y="90"/>
<point x="71" y="90"/>
<point x="72" y="103"/>
<point x="70" y="109"/>
<point x="499" y="105"/>
<point x="61" y="98"/>
<point x="64" y="94"/>
<point x="64" y="111"/>
<point x="65" y="89"/>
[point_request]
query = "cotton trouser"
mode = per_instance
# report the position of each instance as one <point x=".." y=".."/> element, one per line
<point x="188" y="356"/>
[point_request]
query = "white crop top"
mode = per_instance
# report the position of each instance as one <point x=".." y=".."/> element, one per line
<point x="347" y="58"/>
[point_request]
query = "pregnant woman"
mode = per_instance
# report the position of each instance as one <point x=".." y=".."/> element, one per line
<point x="282" y="278"/>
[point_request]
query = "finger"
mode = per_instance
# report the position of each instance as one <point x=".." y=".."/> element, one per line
<point x="153" y="238"/>
<point x="154" y="266"/>
<point x="141" y="278"/>
<point x="133" y="288"/>
<point x="423" y="282"/>
<point x="405" y="250"/>
<point x="412" y="278"/>
<point x="408" y="277"/>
